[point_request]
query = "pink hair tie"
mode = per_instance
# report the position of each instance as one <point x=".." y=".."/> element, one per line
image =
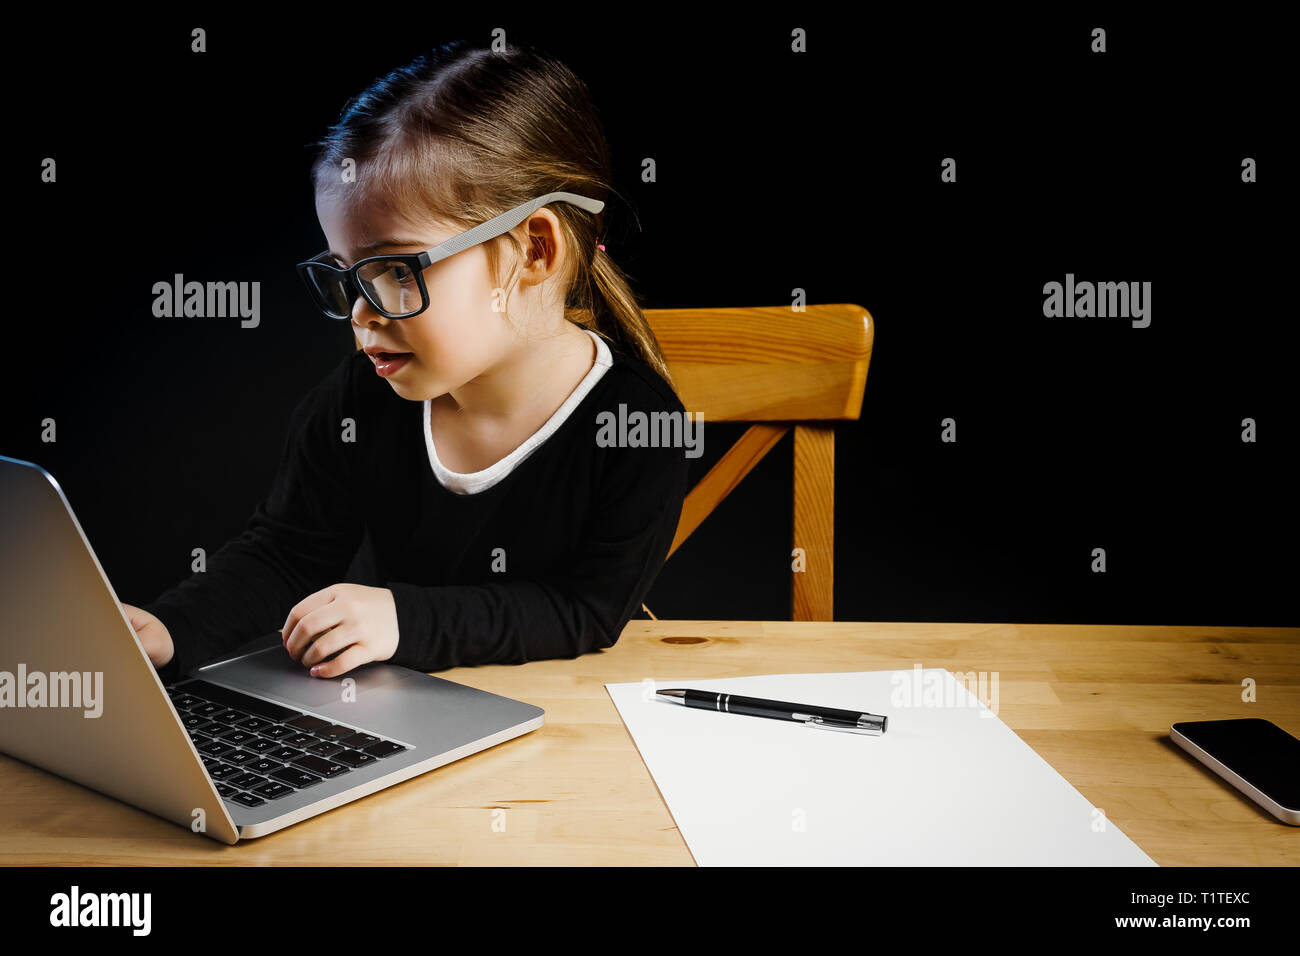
<point x="600" y="246"/>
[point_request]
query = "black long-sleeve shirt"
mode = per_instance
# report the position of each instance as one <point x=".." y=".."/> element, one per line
<point x="583" y="530"/>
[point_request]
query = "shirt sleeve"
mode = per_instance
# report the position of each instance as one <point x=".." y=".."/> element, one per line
<point x="300" y="538"/>
<point x="580" y="607"/>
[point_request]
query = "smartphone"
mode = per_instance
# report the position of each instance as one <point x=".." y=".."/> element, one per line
<point x="1256" y="756"/>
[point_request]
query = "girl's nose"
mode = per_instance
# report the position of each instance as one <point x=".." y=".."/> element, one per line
<point x="364" y="314"/>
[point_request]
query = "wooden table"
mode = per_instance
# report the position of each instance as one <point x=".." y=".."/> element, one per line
<point x="1096" y="702"/>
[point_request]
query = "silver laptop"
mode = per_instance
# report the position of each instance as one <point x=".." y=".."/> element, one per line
<point x="239" y="748"/>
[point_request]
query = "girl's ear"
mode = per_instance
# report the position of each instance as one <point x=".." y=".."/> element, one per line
<point x="543" y="236"/>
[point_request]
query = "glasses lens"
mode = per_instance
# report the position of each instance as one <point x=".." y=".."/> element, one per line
<point x="393" y="284"/>
<point x="326" y="287"/>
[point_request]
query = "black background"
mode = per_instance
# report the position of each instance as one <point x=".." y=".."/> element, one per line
<point x="775" y="170"/>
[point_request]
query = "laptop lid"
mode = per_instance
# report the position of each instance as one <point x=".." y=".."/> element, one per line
<point x="78" y="694"/>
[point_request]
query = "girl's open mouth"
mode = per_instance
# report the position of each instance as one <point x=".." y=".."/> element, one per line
<point x="386" y="363"/>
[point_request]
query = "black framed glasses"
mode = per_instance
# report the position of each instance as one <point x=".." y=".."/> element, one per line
<point x="394" y="284"/>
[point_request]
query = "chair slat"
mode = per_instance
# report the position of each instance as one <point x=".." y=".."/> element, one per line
<point x="767" y="363"/>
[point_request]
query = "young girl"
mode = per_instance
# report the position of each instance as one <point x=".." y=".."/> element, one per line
<point x="458" y="447"/>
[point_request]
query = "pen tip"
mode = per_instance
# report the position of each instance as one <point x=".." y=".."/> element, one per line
<point x="672" y="692"/>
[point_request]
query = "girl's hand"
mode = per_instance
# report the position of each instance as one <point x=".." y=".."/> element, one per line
<point x="153" y="634"/>
<point x="360" y="621"/>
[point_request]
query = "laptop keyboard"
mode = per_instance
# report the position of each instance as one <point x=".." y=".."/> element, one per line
<point x="256" y="751"/>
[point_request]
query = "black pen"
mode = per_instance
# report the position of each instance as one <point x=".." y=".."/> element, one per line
<point x="824" y="718"/>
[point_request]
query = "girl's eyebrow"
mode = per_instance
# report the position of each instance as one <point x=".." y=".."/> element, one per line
<point x="378" y="244"/>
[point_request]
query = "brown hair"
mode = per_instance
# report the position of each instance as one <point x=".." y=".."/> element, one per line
<point x="466" y="133"/>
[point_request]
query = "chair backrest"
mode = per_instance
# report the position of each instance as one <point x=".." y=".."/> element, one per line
<point x="778" y="368"/>
<point x="767" y="363"/>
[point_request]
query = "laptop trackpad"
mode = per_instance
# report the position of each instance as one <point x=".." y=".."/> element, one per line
<point x="274" y="673"/>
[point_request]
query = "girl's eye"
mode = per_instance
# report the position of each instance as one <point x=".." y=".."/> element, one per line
<point x="402" y="273"/>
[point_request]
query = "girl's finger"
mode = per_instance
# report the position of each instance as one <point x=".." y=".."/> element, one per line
<point x="354" y="656"/>
<point x="304" y="607"/>
<point x="310" y="626"/>
<point x="332" y="641"/>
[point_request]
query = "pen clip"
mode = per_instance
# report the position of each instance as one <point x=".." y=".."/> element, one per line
<point x="868" y="724"/>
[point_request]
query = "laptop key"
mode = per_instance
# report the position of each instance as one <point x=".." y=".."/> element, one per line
<point x="384" y="748"/>
<point x="307" y="722"/>
<point x="324" y="749"/>
<point x="255" y="723"/>
<point x="236" y="735"/>
<point x="193" y="721"/>
<point x="239" y="757"/>
<point x="320" y="765"/>
<point x="207" y="709"/>
<point x="262" y="766"/>
<point x="230" y="716"/>
<point x="296" y="778"/>
<point x="248" y="800"/>
<point x="354" y="758"/>
<point x="226" y="791"/>
<point x="359" y="740"/>
<point x="214" y="748"/>
<point x="300" y="740"/>
<point x="247" y="781"/>
<point x="284" y="754"/>
<point x="211" y="728"/>
<point x="334" y="732"/>
<point x="276" y="731"/>
<point x="272" y="789"/>
<point x="261" y="745"/>
<point x="184" y="701"/>
<point x="222" y="770"/>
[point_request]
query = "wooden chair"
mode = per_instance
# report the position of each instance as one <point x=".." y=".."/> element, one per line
<point x="779" y="369"/>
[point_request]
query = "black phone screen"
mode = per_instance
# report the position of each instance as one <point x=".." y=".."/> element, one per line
<point x="1255" y="749"/>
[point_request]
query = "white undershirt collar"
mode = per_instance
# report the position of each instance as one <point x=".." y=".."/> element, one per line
<point x="469" y="483"/>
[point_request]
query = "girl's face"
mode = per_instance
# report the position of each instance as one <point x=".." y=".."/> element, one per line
<point x="458" y="336"/>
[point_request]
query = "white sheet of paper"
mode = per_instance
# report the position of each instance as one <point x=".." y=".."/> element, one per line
<point x="943" y="786"/>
